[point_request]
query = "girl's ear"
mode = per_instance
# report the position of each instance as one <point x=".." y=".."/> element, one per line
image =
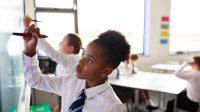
<point x="71" y="48"/>
<point x="107" y="71"/>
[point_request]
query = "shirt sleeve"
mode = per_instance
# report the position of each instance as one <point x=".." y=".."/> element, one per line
<point x="116" y="108"/>
<point x="68" y="61"/>
<point x="181" y="68"/>
<point x="183" y="75"/>
<point x="36" y="79"/>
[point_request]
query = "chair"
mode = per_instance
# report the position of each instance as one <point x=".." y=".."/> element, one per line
<point x="124" y="94"/>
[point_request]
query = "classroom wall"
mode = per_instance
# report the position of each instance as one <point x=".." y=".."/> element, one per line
<point x="158" y="53"/>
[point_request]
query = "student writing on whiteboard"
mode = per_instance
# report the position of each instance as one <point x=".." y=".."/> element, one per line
<point x="68" y="55"/>
<point x="100" y="58"/>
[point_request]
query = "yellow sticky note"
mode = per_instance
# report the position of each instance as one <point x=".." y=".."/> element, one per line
<point x="164" y="34"/>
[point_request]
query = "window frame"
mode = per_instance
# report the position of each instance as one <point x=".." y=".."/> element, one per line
<point x="61" y="10"/>
<point x="145" y="36"/>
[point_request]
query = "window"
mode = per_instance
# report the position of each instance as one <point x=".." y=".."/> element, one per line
<point x="56" y="26"/>
<point x="89" y="18"/>
<point x="184" y="26"/>
<point x="54" y="3"/>
<point x="126" y="16"/>
<point x="58" y="18"/>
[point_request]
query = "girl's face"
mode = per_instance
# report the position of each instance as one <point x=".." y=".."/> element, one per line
<point x="194" y="65"/>
<point x="65" y="48"/>
<point x="92" y="66"/>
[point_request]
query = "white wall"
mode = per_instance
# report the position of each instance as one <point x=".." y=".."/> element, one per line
<point x="158" y="53"/>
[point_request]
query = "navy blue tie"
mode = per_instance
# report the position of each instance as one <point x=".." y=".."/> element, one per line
<point x="78" y="104"/>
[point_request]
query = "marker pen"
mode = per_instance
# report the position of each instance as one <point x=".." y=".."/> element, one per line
<point x="34" y="20"/>
<point x="28" y="35"/>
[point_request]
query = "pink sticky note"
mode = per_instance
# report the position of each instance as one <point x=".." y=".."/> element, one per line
<point x="165" y="18"/>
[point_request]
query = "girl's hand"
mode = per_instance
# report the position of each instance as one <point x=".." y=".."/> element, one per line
<point x="30" y="43"/>
<point x="27" y="21"/>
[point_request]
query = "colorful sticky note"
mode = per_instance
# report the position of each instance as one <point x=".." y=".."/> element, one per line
<point x="163" y="41"/>
<point x="164" y="26"/>
<point x="165" y="18"/>
<point x="164" y="34"/>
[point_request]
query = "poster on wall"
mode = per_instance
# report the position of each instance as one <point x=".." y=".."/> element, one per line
<point x="164" y="33"/>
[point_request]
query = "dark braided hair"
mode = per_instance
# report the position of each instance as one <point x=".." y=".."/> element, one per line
<point x="116" y="48"/>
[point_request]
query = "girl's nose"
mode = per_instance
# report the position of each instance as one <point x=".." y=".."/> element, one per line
<point x="82" y="61"/>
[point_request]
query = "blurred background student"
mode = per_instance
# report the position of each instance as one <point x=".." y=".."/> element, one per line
<point x="133" y="60"/>
<point x="129" y="67"/>
<point x="188" y="99"/>
<point x="144" y="96"/>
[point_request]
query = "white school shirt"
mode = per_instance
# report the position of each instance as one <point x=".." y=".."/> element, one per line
<point x="100" y="98"/>
<point x="193" y="86"/>
<point x="66" y="63"/>
<point x="125" y="71"/>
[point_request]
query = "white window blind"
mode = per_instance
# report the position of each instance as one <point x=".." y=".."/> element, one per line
<point x="184" y="26"/>
<point x="126" y="16"/>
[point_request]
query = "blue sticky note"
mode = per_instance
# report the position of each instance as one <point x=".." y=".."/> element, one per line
<point x="163" y="41"/>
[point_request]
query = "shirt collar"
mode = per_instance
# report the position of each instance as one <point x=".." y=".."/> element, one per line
<point x="93" y="91"/>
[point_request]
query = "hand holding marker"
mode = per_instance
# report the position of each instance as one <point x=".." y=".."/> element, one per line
<point x="28" y="34"/>
<point x="30" y="27"/>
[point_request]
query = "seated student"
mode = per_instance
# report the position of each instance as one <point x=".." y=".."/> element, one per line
<point x="123" y="92"/>
<point x="125" y="68"/>
<point x="188" y="99"/>
<point x="132" y="60"/>
<point x="100" y="58"/>
<point x="143" y="94"/>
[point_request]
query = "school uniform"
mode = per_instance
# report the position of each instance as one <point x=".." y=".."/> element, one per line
<point x="189" y="98"/>
<point x="66" y="63"/>
<point x="193" y="86"/>
<point x="100" y="98"/>
<point x="125" y="70"/>
<point x="134" y="68"/>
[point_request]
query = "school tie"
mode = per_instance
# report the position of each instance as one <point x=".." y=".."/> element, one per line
<point x="78" y="104"/>
<point x="117" y="77"/>
<point x="133" y="71"/>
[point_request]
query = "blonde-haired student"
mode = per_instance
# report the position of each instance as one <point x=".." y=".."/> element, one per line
<point x="89" y="84"/>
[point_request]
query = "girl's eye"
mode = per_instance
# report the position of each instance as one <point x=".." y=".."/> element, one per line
<point x="89" y="61"/>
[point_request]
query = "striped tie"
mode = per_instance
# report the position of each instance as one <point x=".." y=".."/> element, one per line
<point x="78" y="104"/>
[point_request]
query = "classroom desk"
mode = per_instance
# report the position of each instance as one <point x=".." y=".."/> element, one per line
<point x="167" y="83"/>
<point x="167" y="68"/>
